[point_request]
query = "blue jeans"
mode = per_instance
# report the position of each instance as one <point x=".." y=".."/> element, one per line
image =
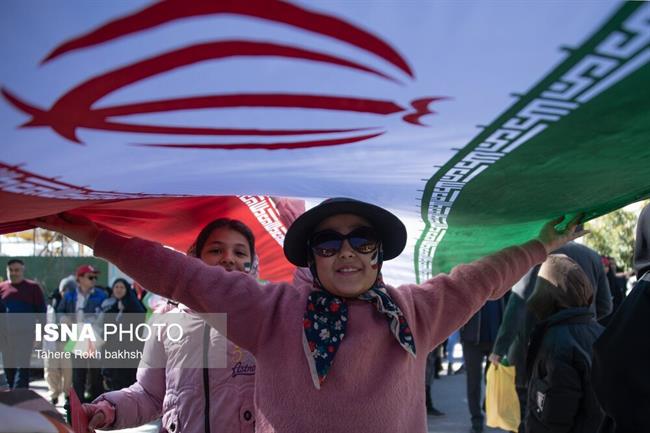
<point x="453" y="340"/>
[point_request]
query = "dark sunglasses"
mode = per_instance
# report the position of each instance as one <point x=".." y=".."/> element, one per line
<point x="326" y="243"/>
<point x="92" y="277"/>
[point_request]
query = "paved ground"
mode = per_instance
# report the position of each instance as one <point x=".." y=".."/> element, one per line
<point x="449" y="397"/>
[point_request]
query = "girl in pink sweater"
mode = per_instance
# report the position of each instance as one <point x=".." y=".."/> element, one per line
<point x="347" y="353"/>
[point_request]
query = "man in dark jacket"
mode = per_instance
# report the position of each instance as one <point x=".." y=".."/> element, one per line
<point x="560" y="392"/>
<point x="518" y="322"/>
<point x="622" y="354"/>
<point x="477" y="337"/>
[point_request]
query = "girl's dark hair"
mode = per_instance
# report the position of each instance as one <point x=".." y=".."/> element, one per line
<point x="236" y="225"/>
<point x="127" y="285"/>
<point x="123" y="281"/>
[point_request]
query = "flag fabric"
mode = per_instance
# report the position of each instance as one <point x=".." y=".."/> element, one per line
<point x="176" y="221"/>
<point x="24" y="411"/>
<point x="79" y="418"/>
<point x="475" y="122"/>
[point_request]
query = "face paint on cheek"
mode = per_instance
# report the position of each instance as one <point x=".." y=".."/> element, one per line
<point x="374" y="260"/>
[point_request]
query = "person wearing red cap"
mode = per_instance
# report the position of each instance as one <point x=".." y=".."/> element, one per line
<point x="80" y="305"/>
<point x="87" y="298"/>
<point x="84" y="270"/>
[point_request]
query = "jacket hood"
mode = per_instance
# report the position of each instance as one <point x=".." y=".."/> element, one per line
<point x="642" y="243"/>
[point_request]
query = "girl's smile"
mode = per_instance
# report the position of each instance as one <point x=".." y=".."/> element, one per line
<point x="347" y="273"/>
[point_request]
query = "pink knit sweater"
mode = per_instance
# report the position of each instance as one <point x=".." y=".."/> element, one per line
<point x="374" y="385"/>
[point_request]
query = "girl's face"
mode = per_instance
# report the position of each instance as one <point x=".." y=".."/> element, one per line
<point x="227" y="248"/>
<point x="119" y="290"/>
<point x="347" y="273"/>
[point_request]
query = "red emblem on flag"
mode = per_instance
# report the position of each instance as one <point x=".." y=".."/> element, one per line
<point x="77" y="107"/>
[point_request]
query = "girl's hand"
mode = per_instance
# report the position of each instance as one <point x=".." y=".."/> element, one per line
<point x="100" y="415"/>
<point x="552" y="239"/>
<point x="75" y="227"/>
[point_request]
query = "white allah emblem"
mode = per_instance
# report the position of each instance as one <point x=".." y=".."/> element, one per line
<point x="541" y="397"/>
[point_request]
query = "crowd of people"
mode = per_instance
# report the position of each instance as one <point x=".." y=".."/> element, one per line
<point x="78" y="299"/>
<point x="547" y="325"/>
<point x="339" y="349"/>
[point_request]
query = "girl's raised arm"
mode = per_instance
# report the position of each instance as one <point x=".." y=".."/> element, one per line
<point x="205" y="289"/>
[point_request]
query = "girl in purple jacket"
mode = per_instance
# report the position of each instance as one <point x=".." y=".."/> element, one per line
<point x="190" y="399"/>
<point x="348" y="352"/>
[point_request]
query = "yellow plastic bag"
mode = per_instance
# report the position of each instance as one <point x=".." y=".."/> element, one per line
<point x="501" y="402"/>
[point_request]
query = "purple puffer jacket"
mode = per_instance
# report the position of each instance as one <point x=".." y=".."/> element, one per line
<point x="178" y="394"/>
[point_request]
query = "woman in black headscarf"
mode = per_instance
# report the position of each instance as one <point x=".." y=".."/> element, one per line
<point x="124" y="308"/>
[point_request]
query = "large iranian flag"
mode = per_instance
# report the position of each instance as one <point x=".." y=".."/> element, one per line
<point x="475" y="122"/>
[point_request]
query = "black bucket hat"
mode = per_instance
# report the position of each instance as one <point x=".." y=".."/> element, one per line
<point x="389" y="228"/>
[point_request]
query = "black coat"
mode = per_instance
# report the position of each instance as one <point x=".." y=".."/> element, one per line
<point x="519" y="322"/>
<point x="560" y="393"/>
<point x="118" y="378"/>
<point x="470" y="332"/>
<point x="130" y="302"/>
<point x="621" y="375"/>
